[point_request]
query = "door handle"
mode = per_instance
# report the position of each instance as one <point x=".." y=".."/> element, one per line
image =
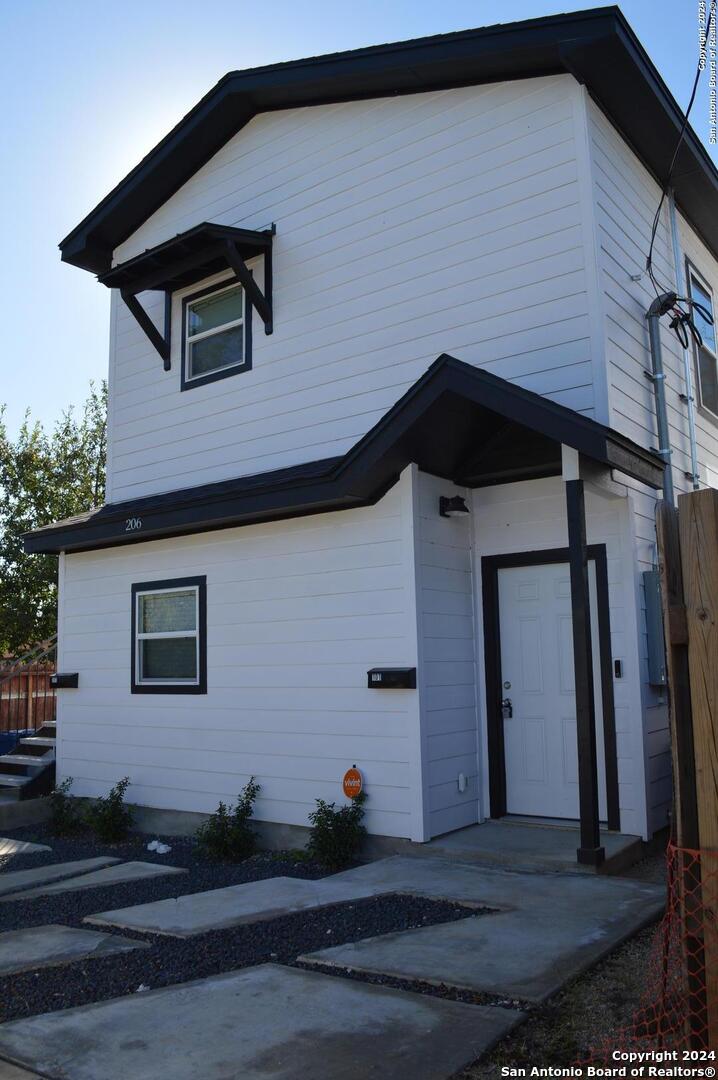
<point x="507" y="709"/>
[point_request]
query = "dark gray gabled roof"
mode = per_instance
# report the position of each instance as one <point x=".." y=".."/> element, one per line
<point x="596" y="46"/>
<point x="456" y="421"/>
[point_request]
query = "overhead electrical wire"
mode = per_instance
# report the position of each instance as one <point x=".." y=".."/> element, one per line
<point x="667" y="184"/>
<point x="682" y="322"/>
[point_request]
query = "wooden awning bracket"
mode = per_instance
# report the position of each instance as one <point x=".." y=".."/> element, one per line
<point x="153" y="271"/>
<point x="261" y="301"/>
<point x="161" y="342"/>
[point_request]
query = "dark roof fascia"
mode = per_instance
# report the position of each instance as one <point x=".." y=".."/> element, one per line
<point x="359" y="478"/>
<point x="521" y="406"/>
<point x="596" y="46"/>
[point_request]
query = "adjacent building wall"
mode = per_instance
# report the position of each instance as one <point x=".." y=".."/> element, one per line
<point x="407" y="226"/>
<point x="298" y="611"/>
<point x="626" y="198"/>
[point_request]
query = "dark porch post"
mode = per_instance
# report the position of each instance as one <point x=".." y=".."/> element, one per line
<point x="590" y="850"/>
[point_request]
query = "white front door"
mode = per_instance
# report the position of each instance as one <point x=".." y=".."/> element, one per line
<point x="540" y="741"/>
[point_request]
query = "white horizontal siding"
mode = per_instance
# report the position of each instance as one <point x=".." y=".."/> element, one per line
<point x="406" y="227"/>
<point x="446" y="629"/>
<point x="529" y="516"/>
<point x="626" y="198"/>
<point x="296" y="614"/>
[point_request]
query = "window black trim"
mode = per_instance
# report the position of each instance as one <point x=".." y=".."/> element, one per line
<point x="222" y="373"/>
<point x="172" y="583"/>
<point x="703" y="410"/>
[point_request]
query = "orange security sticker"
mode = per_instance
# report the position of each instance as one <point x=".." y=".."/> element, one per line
<point x="352" y="783"/>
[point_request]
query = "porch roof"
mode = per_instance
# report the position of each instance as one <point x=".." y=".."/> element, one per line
<point x="457" y="422"/>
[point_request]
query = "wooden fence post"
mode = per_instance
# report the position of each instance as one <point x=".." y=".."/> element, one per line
<point x="684" y="825"/>
<point x="686" y="887"/>
<point x="30" y="705"/>
<point x="698" y="528"/>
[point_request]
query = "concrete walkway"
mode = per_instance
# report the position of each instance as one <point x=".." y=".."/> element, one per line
<point x="109" y="875"/>
<point x="49" y="946"/>
<point x="254" y="902"/>
<point x="19" y="847"/>
<point x="548" y="927"/>
<point x="17" y="880"/>
<point x="14" y="1072"/>
<point x="263" y="1023"/>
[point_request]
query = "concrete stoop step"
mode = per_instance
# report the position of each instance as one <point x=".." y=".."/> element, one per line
<point x="28" y="770"/>
<point x="516" y="844"/>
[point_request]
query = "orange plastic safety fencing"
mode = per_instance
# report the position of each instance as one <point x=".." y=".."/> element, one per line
<point x="679" y="1009"/>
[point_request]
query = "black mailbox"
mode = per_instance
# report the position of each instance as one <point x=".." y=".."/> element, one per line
<point x="391" y="678"/>
<point x="65" y="680"/>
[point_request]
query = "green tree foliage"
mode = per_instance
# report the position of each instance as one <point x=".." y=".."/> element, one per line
<point x="44" y="477"/>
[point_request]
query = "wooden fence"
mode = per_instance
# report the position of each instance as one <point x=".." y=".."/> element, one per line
<point x="27" y="698"/>
<point x="688" y="554"/>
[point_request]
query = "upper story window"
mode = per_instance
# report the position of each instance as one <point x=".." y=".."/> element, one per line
<point x="216" y="338"/>
<point x="169" y="648"/>
<point x="707" y="355"/>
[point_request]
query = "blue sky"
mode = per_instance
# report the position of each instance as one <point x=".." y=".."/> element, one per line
<point x="89" y="86"/>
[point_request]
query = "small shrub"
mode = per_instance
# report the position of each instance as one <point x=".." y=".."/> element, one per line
<point x="108" y="817"/>
<point x="337" y="835"/>
<point x="226" y="835"/>
<point x="65" y="818"/>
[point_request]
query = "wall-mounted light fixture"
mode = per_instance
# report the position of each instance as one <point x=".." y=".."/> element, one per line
<point x="452" y="507"/>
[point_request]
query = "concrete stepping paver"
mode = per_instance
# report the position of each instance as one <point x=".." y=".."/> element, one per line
<point x="110" y="875"/>
<point x="12" y="1072"/>
<point x="262" y="1023"/>
<point x="255" y="901"/>
<point x="16" y="880"/>
<point x="8" y="846"/>
<point x="547" y="929"/>
<point x="48" y="946"/>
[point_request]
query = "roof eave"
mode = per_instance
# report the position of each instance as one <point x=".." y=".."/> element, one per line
<point x="411" y="430"/>
<point x="577" y="43"/>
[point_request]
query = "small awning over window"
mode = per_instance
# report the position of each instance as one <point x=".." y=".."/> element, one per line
<point x="189" y="257"/>
<point x="457" y="422"/>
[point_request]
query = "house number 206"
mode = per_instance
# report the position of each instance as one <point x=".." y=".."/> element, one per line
<point x="133" y="524"/>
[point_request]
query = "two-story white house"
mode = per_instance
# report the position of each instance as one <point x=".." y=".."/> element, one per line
<point x="382" y="450"/>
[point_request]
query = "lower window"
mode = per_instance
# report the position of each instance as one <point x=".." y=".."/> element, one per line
<point x="169" y="631"/>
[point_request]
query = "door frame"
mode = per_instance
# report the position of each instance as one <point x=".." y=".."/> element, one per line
<point x="490" y="566"/>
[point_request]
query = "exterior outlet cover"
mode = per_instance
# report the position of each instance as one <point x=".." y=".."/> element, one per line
<point x="462" y="782"/>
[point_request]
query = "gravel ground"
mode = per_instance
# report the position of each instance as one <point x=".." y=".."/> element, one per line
<point x="556" y="1034"/>
<point x="70" y="908"/>
<point x="172" y="960"/>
